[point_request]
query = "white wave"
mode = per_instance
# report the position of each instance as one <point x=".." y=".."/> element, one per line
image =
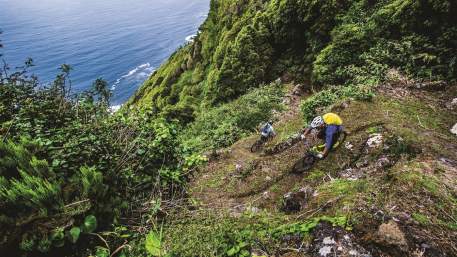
<point x="115" y="108"/>
<point x="203" y="15"/>
<point x="141" y="72"/>
<point x="190" y="38"/>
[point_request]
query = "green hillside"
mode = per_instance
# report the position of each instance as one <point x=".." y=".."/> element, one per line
<point x="243" y="44"/>
<point x="172" y="174"/>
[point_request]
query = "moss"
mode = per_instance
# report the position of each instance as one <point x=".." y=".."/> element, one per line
<point x="422" y="219"/>
<point x="343" y="192"/>
<point x="419" y="181"/>
<point x="315" y="176"/>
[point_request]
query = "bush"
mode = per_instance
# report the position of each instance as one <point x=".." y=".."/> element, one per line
<point x="244" y="44"/>
<point x="224" y="125"/>
<point x="82" y="162"/>
<point x="325" y="98"/>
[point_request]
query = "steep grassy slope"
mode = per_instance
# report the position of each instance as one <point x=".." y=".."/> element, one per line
<point x="245" y="43"/>
<point x="394" y="198"/>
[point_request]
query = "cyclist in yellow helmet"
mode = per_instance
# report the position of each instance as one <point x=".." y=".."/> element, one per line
<point x="330" y="127"/>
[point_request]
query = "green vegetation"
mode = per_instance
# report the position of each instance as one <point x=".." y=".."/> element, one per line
<point x="352" y="43"/>
<point x="209" y="235"/>
<point x="77" y="180"/>
<point x="331" y="96"/>
<point x="224" y="125"/>
<point x="69" y="168"/>
<point x="422" y="219"/>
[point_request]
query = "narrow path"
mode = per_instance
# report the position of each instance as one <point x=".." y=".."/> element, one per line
<point x="259" y="179"/>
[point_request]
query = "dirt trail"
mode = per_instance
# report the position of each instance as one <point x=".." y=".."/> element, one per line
<point x="240" y="179"/>
<point x="405" y="185"/>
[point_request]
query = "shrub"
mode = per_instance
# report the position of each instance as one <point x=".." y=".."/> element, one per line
<point x="224" y="125"/>
<point x="332" y="95"/>
<point x="82" y="162"/>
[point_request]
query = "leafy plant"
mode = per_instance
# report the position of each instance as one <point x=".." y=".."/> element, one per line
<point x="74" y="234"/>
<point x="90" y="224"/>
<point x="153" y="243"/>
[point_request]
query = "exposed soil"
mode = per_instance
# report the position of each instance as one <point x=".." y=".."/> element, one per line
<point x="396" y="176"/>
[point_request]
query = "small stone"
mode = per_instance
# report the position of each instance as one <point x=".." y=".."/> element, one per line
<point x="452" y="104"/>
<point x="328" y="241"/>
<point x="324" y="251"/>
<point x="349" y="146"/>
<point x="425" y="246"/>
<point x="389" y="234"/>
<point x="383" y="162"/>
<point x="253" y="210"/>
<point x="286" y="101"/>
<point x="353" y="253"/>
<point x="298" y="89"/>
<point x="267" y="178"/>
<point x="454" y="129"/>
<point x="375" y="140"/>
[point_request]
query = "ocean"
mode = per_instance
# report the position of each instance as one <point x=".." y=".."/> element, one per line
<point x="121" y="41"/>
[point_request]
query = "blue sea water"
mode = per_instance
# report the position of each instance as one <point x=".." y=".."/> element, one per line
<point x="121" y="41"/>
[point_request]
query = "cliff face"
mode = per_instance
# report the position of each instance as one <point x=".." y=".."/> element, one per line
<point x="245" y="43"/>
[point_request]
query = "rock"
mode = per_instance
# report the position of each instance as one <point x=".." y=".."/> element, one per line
<point x="295" y="201"/>
<point x="253" y="210"/>
<point x="332" y="241"/>
<point x="325" y="250"/>
<point x="375" y="140"/>
<point x="454" y="129"/>
<point x="328" y="241"/>
<point x="349" y="146"/>
<point x="389" y="234"/>
<point x="298" y="89"/>
<point x="404" y="217"/>
<point x="267" y="178"/>
<point x="286" y="101"/>
<point x="238" y="168"/>
<point x="266" y="195"/>
<point x="351" y="174"/>
<point x="431" y="85"/>
<point x="383" y="162"/>
<point x="425" y="246"/>
<point x="452" y="104"/>
<point x="361" y="164"/>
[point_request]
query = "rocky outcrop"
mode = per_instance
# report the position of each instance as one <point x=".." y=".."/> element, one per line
<point x="296" y="201"/>
<point x="390" y="235"/>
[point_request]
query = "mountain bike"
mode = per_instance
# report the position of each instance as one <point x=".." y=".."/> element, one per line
<point x="307" y="161"/>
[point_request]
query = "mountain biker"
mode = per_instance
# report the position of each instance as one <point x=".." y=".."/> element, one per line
<point x="329" y="127"/>
<point x="267" y="131"/>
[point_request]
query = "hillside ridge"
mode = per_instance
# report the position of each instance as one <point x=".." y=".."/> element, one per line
<point x="353" y="178"/>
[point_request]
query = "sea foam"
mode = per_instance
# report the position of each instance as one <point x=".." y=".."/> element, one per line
<point x="139" y="73"/>
<point x="190" y="38"/>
